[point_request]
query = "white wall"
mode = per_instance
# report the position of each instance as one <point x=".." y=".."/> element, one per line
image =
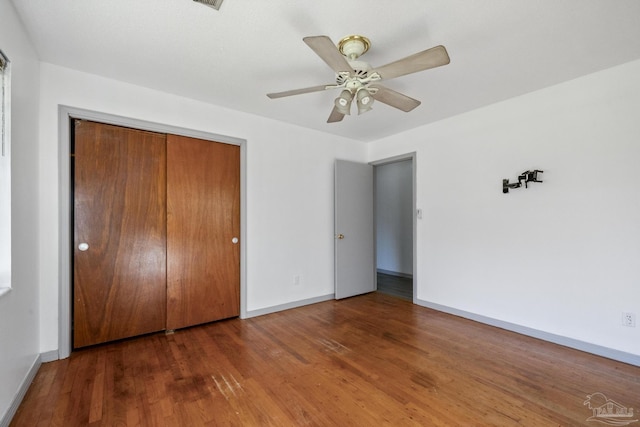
<point x="19" y="335"/>
<point x="560" y="257"/>
<point x="289" y="186"/>
<point x="394" y="217"/>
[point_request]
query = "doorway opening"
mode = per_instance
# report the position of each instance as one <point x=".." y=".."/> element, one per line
<point x="394" y="207"/>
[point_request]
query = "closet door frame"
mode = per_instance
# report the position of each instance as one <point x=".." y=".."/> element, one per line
<point x="65" y="227"/>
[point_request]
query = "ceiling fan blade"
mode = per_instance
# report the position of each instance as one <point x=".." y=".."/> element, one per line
<point x="325" y="49"/>
<point x="394" y="99"/>
<point x="335" y="116"/>
<point x="430" y="58"/>
<point x="297" y="91"/>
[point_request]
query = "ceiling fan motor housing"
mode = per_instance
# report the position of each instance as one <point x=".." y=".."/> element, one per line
<point x="360" y="71"/>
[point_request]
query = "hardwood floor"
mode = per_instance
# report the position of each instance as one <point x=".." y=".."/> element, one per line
<point x="371" y="360"/>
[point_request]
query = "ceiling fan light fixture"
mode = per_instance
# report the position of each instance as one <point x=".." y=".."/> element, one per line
<point x="357" y="79"/>
<point x="364" y="100"/>
<point x="343" y="102"/>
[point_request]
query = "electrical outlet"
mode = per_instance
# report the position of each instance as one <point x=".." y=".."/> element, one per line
<point x="297" y="280"/>
<point x="629" y="319"/>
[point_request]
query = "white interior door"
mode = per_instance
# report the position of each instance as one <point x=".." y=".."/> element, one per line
<point x="354" y="229"/>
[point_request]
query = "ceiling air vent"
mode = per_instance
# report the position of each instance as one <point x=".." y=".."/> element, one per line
<point x="211" y="3"/>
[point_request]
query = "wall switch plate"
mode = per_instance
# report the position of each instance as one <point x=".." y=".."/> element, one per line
<point x="629" y="319"/>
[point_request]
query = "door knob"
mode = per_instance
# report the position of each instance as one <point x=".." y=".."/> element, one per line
<point x="234" y="240"/>
<point x="340" y="236"/>
<point x="83" y="246"/>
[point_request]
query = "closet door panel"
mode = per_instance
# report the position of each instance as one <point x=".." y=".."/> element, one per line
<point x="203" y="231"/>
<point x="120" y="216"/>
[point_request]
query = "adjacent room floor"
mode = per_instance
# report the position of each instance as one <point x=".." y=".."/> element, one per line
<point x="401" y="287"/>
<point x="370" y="360"/>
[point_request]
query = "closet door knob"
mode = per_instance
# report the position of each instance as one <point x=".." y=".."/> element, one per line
<point x="234" y="240"/>
<point x="83" y="246"/>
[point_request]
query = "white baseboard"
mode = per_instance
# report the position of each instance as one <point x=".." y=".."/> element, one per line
<point x="598" y="350"/>
<point x="287" y="306"/>
<point x="49" y="356"/>
<point x="6" y="418"/>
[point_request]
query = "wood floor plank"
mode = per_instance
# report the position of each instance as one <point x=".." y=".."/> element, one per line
<point x="363" y="361"/>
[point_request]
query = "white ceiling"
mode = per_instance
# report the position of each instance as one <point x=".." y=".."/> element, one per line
<point x="232" y="57"/>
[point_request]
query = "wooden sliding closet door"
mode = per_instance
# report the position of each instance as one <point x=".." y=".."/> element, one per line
<point x="203" y="231"/>
<point x="119" y="233"/>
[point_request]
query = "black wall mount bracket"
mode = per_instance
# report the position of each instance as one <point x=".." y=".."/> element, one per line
<point x="526" y="177"/>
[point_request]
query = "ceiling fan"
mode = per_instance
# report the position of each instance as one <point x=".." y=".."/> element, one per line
<point x="359" y="80"/>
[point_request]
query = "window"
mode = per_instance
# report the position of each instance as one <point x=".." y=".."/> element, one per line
<point x="5" y="176"/>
